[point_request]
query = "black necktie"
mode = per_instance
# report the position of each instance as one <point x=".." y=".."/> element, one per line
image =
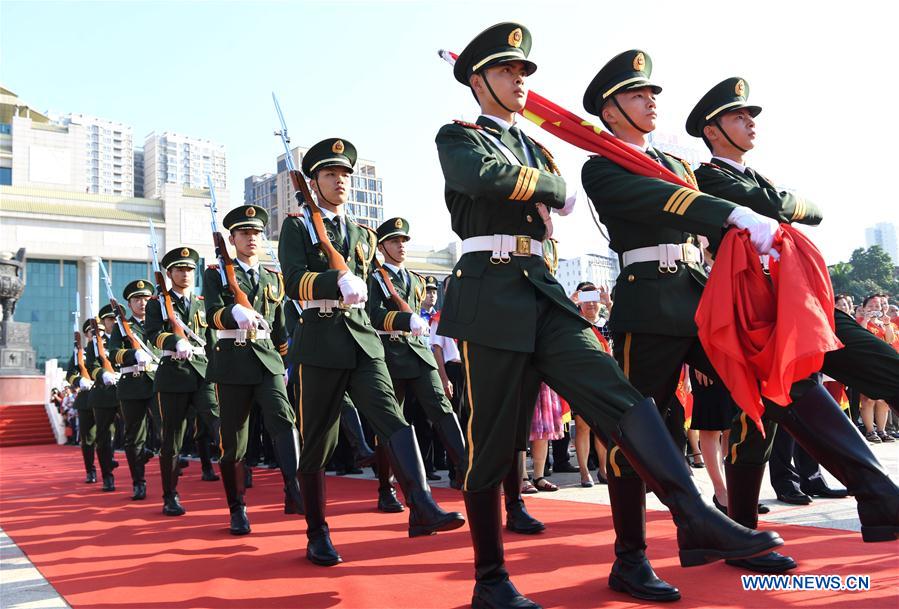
<point x="751" y="174"/>
<point x="338" y="233"/>
<point x="253" y="280"/>
<point x="519" y="144"/>
<point x="654" y="155"/>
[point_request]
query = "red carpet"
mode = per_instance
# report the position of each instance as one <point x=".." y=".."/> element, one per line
<point x="103" y="550"/>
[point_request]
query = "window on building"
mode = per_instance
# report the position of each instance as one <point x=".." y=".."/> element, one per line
<point x="5" y="176"/>
<point x="47" y="304"/>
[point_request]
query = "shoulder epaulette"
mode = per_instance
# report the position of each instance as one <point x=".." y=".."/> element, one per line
<point x="214" y="267"/>
<point x="200" y="297"/>
<point x="154" y="297"/>
<point x="468" y="125"/>
<point x="297" y="214"/>
<point x="709" y="164"/>
<point x="419" y="275"/>
<point x="691" y="177"/>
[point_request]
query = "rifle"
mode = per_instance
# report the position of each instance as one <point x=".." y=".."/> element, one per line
<point x="318" y="235"/>
<point x="226" y="263"/>
<point x="79" y="349"/>
<point x="122" y="318"/>
<point x="101" y="347"/>
<point x="168" y="311"/>
<point x="384" y="279"/>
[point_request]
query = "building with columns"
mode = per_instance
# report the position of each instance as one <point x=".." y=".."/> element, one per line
<point x="64" y="233"/>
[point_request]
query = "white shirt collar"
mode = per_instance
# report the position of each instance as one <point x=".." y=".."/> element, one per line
<point x="504" y="124"/>
<point x="734" y="164"/>
<point x="246" y="267"/>
<point x="396" y="270"/>
<point x="330" y="215"/>
<point x="635" y="147"/>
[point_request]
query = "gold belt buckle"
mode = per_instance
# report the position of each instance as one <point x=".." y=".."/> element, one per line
<point x="251" y="334"/>
<point x="522" y="245"/>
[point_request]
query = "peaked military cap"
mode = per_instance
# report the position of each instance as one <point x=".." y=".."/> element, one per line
<point x="431" y="282"/>
<point x="625" y="71"/>
<point x="138" y="287"/>
<point x="86" y="326"/>
<point x="246" y="216"/>
<point x="328" y="153"/>
<point x="502" y="43"/>
<point x="106" y="311"/>
<point x="728" y="95"/>
<point x="394" y="227"/>
<point x="181" y="256"/>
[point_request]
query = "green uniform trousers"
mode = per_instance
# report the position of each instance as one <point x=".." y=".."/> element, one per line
<point x="320" y="393"/>
<point x="653" y="362"/>
<point x="235" y="403"/>
<point x="867" y="363"/>
<point x="173" y="408"/>
<point x="135" y="413"/>
<point x="427" y="389"/>
<point x="501" y="390"/>
<point x="102" y="399"/>
<point x="87" y="427"/>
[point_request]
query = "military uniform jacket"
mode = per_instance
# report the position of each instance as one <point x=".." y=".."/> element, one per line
<point x="131" y="386"/>
<point x="755" y="191"/>
<point x="640" y="211"/>
<point x="73" y="375"/>
<point x="101" y="395"/>
<point x="245" y="364"/>
<point x="178" y="376"/>
<point x="326" y="340"/>
<point x="403" y="352"/>
<point x="487" y="194"/>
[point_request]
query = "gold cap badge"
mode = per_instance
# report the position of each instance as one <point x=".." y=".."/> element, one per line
<point x="398" y="223"/>
<point x="338" y="147"/>
<point x="515" y="37"/>
<point x="140" y="285"/>
<point x="251" y="212"/>
<point x="740" y="88"/>
<point x="639" y="62"/>
<point x="185" y="253"/>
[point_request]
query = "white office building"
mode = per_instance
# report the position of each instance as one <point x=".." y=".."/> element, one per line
<point x="600" y="270"/>
<point x="884" y="235"/>
<point x="182" y="160"/>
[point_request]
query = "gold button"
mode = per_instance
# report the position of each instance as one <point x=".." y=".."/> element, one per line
<point x="529" y="218"/>
<point x="301" y="320"/>
<point x="459" y="273"/>
<point x="217" y="348"/>
<point x="525" y="271"/>
<point x="347" y="313"/>
<point x="631" y="278"/>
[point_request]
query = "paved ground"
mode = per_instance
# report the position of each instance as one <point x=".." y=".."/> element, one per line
<point x="23" y="587"/>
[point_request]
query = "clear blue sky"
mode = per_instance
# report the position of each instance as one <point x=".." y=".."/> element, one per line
<point x="368" y="72"/>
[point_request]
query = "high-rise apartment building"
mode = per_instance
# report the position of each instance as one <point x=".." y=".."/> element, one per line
<point x="600" y="270"/>
<point x="109" y="154"/>
<point x="884" y="235"/>
<point x="263" y="191"/>
<point x="174" y="158"/>
<point x="139" y="172"/>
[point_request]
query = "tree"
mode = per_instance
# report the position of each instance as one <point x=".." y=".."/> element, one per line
<point x="868" y="271"/>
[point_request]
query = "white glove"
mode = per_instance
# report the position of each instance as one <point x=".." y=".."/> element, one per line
<point x="183" y="349"/>
<point x="761" y="229"/>
<point x="108" y="378"/>
<point x="84" y="383"/>
<point x="570" y="201"/>
<point x="245" y="317"/>
<point x="142" y="357"/>
<point x="418" y="326"/>
<point x="352" y="288"/>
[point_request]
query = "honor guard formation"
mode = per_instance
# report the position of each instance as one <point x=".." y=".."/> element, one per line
<point x="335" y="331"/>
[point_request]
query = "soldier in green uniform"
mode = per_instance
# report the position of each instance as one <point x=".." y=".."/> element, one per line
<point x="135" y="386"/>
<point x="87" y="426"/>
<point x="103" y="399"/>
<point x="409" y="359"/>
<point x="724" y="119"/>
<point x="335" y="351"/>
<point x="247" y="364"/>
<point x="515" y="324"/>
<point x="181" y="376"/>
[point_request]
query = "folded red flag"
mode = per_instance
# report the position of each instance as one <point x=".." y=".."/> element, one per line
<point x="761" y="333"/>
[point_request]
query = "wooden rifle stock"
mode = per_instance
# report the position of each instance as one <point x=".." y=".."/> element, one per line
<point x="221" y="250"/>
<point x="167" y="304"/>
<point x="101" y="347"/>
<point x="335" y="260"/>
<point x="79" y="357"/>
<point x="123" y="320"/>
<point x="397" y="300"/>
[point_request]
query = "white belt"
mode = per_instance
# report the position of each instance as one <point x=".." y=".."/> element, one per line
<point x="395" y="335"/>
<point x="503" y="247"/>
<point x="195" y="350"/>
<point x="666" y="254"/>
<point x="137" y="369"/>
<point x="242" y="335"/>
<point x="326" y="306"/>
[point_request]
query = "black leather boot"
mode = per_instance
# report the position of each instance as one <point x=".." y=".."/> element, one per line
<point x="518" y="520"/>
<point x="287" y="450"/>
<point x="631" y="572"/>
<point x="105" y="457"/>
<point x="387" y="501"/>
<point x="247" y="475"/>
<point x="232" y="479"/>
<point x="425" y="516"/>
<point x="168" y="468"/>
<point x="703" y="533"/>
<point x="87" y="453"/>
<point x="492" y="589"/>
<point x="743" y="484"/>
<point x="319" y="549"/>
<point x="450" y="434"/>
<point x="139" y="482"/>
<point x="204" y="451"/>
<point x="821" y="428"/>
<point x="352" y="428"/>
